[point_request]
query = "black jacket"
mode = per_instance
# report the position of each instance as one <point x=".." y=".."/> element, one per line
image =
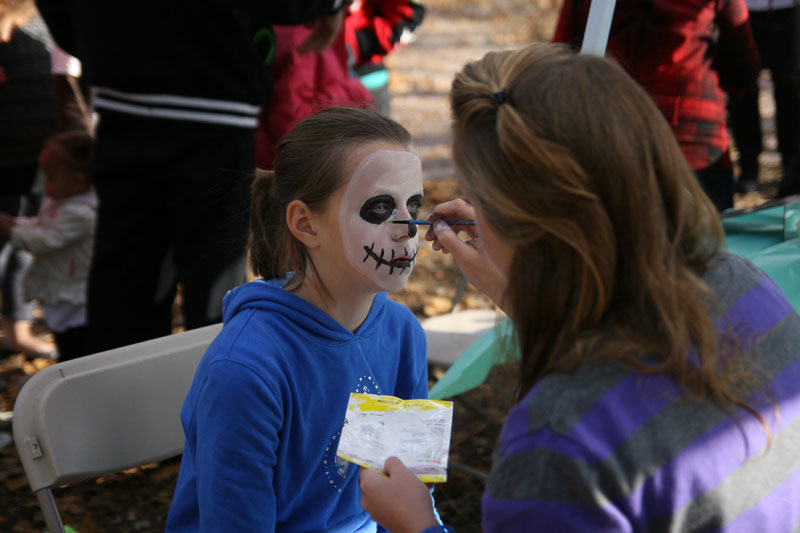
<point x="141" y="54"/>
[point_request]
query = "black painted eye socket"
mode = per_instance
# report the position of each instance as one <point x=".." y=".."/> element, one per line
<point x="377" y="209"/>
<point x="414" y="204"/>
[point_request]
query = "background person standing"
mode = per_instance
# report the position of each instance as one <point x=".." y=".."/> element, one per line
<point x="686" y="55"/>
<point x="177" y="89"/>
<point x="774" y="30"/>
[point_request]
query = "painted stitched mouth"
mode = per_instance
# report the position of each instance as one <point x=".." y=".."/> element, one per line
<point x="400" y="263"/>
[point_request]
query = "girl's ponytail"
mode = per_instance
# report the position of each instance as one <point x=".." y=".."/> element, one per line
<point x="265" y="227"/>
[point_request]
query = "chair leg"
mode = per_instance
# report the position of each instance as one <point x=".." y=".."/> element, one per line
<point x="48" y="506"/>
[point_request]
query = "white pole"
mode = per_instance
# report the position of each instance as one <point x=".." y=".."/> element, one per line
<point x="598" y="24"/>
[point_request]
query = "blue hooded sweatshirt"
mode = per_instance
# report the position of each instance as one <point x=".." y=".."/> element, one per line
<point x="266" y="408"/>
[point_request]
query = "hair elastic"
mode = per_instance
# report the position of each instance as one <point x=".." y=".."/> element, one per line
<point x="501" y="97"/>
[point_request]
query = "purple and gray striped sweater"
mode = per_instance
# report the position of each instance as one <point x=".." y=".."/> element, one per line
<point x="606" y="449"/>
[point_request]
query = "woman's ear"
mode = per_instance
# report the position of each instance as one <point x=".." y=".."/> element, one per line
<point x="298" y="219"/>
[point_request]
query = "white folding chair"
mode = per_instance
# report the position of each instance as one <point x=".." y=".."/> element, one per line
<point x="104" y="413"/>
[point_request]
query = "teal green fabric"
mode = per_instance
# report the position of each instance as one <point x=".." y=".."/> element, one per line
<point x="474" y="365"/>
<point x="782" y="263"/>
<point x="375" y="80"/>
<point x="768" y="238"/>
<point x="748" y="234"/>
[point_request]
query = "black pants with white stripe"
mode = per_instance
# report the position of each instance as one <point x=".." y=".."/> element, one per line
<point x="174" y="200"/>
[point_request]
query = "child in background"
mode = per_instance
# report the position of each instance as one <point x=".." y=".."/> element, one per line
<point x="372" y="29"/>
<point x="60" y="239"/>
<point x="266" y="407"/>
<point x="304" y="84"/>
<point x="27" y="120"/>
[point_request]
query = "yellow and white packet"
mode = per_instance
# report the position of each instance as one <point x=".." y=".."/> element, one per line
<point x="416" y="431"/>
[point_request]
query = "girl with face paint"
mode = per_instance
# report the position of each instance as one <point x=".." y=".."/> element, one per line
<point x="386" y="187"/>
<point x="266" y="408"/>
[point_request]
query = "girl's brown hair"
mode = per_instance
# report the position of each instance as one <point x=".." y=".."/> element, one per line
<point x="310" y="165"/>
<point x="580" y="172"/>
<point x="77" y="147"/>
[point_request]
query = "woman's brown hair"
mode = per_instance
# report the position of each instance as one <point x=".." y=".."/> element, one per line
<point x="579" y="171"/>
<point x="310" y="165"/>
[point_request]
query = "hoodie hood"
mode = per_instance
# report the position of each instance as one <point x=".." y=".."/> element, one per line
<point x="261" y="296"/>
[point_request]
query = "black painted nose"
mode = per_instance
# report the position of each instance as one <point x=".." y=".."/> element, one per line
<point x="412" y="230"/>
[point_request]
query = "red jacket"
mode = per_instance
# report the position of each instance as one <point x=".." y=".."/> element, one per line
<point x="304" y="84"/>
<point x="666" y="46"/>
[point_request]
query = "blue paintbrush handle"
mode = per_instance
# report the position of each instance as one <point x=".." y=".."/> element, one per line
<point x="426" y="223"/>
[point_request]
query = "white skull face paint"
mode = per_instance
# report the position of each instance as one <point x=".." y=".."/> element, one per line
<point x="386" y="186"/>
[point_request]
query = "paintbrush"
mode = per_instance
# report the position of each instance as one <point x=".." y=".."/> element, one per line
<point x="427" y="223"/>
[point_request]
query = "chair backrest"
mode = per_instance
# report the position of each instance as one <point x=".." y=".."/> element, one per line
<point x="106" y="412"/>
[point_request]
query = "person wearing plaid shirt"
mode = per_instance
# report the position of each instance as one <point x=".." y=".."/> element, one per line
<point x="687" y="54"/>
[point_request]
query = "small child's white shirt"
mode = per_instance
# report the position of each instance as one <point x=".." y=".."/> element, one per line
<point x="60" y="237"/>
